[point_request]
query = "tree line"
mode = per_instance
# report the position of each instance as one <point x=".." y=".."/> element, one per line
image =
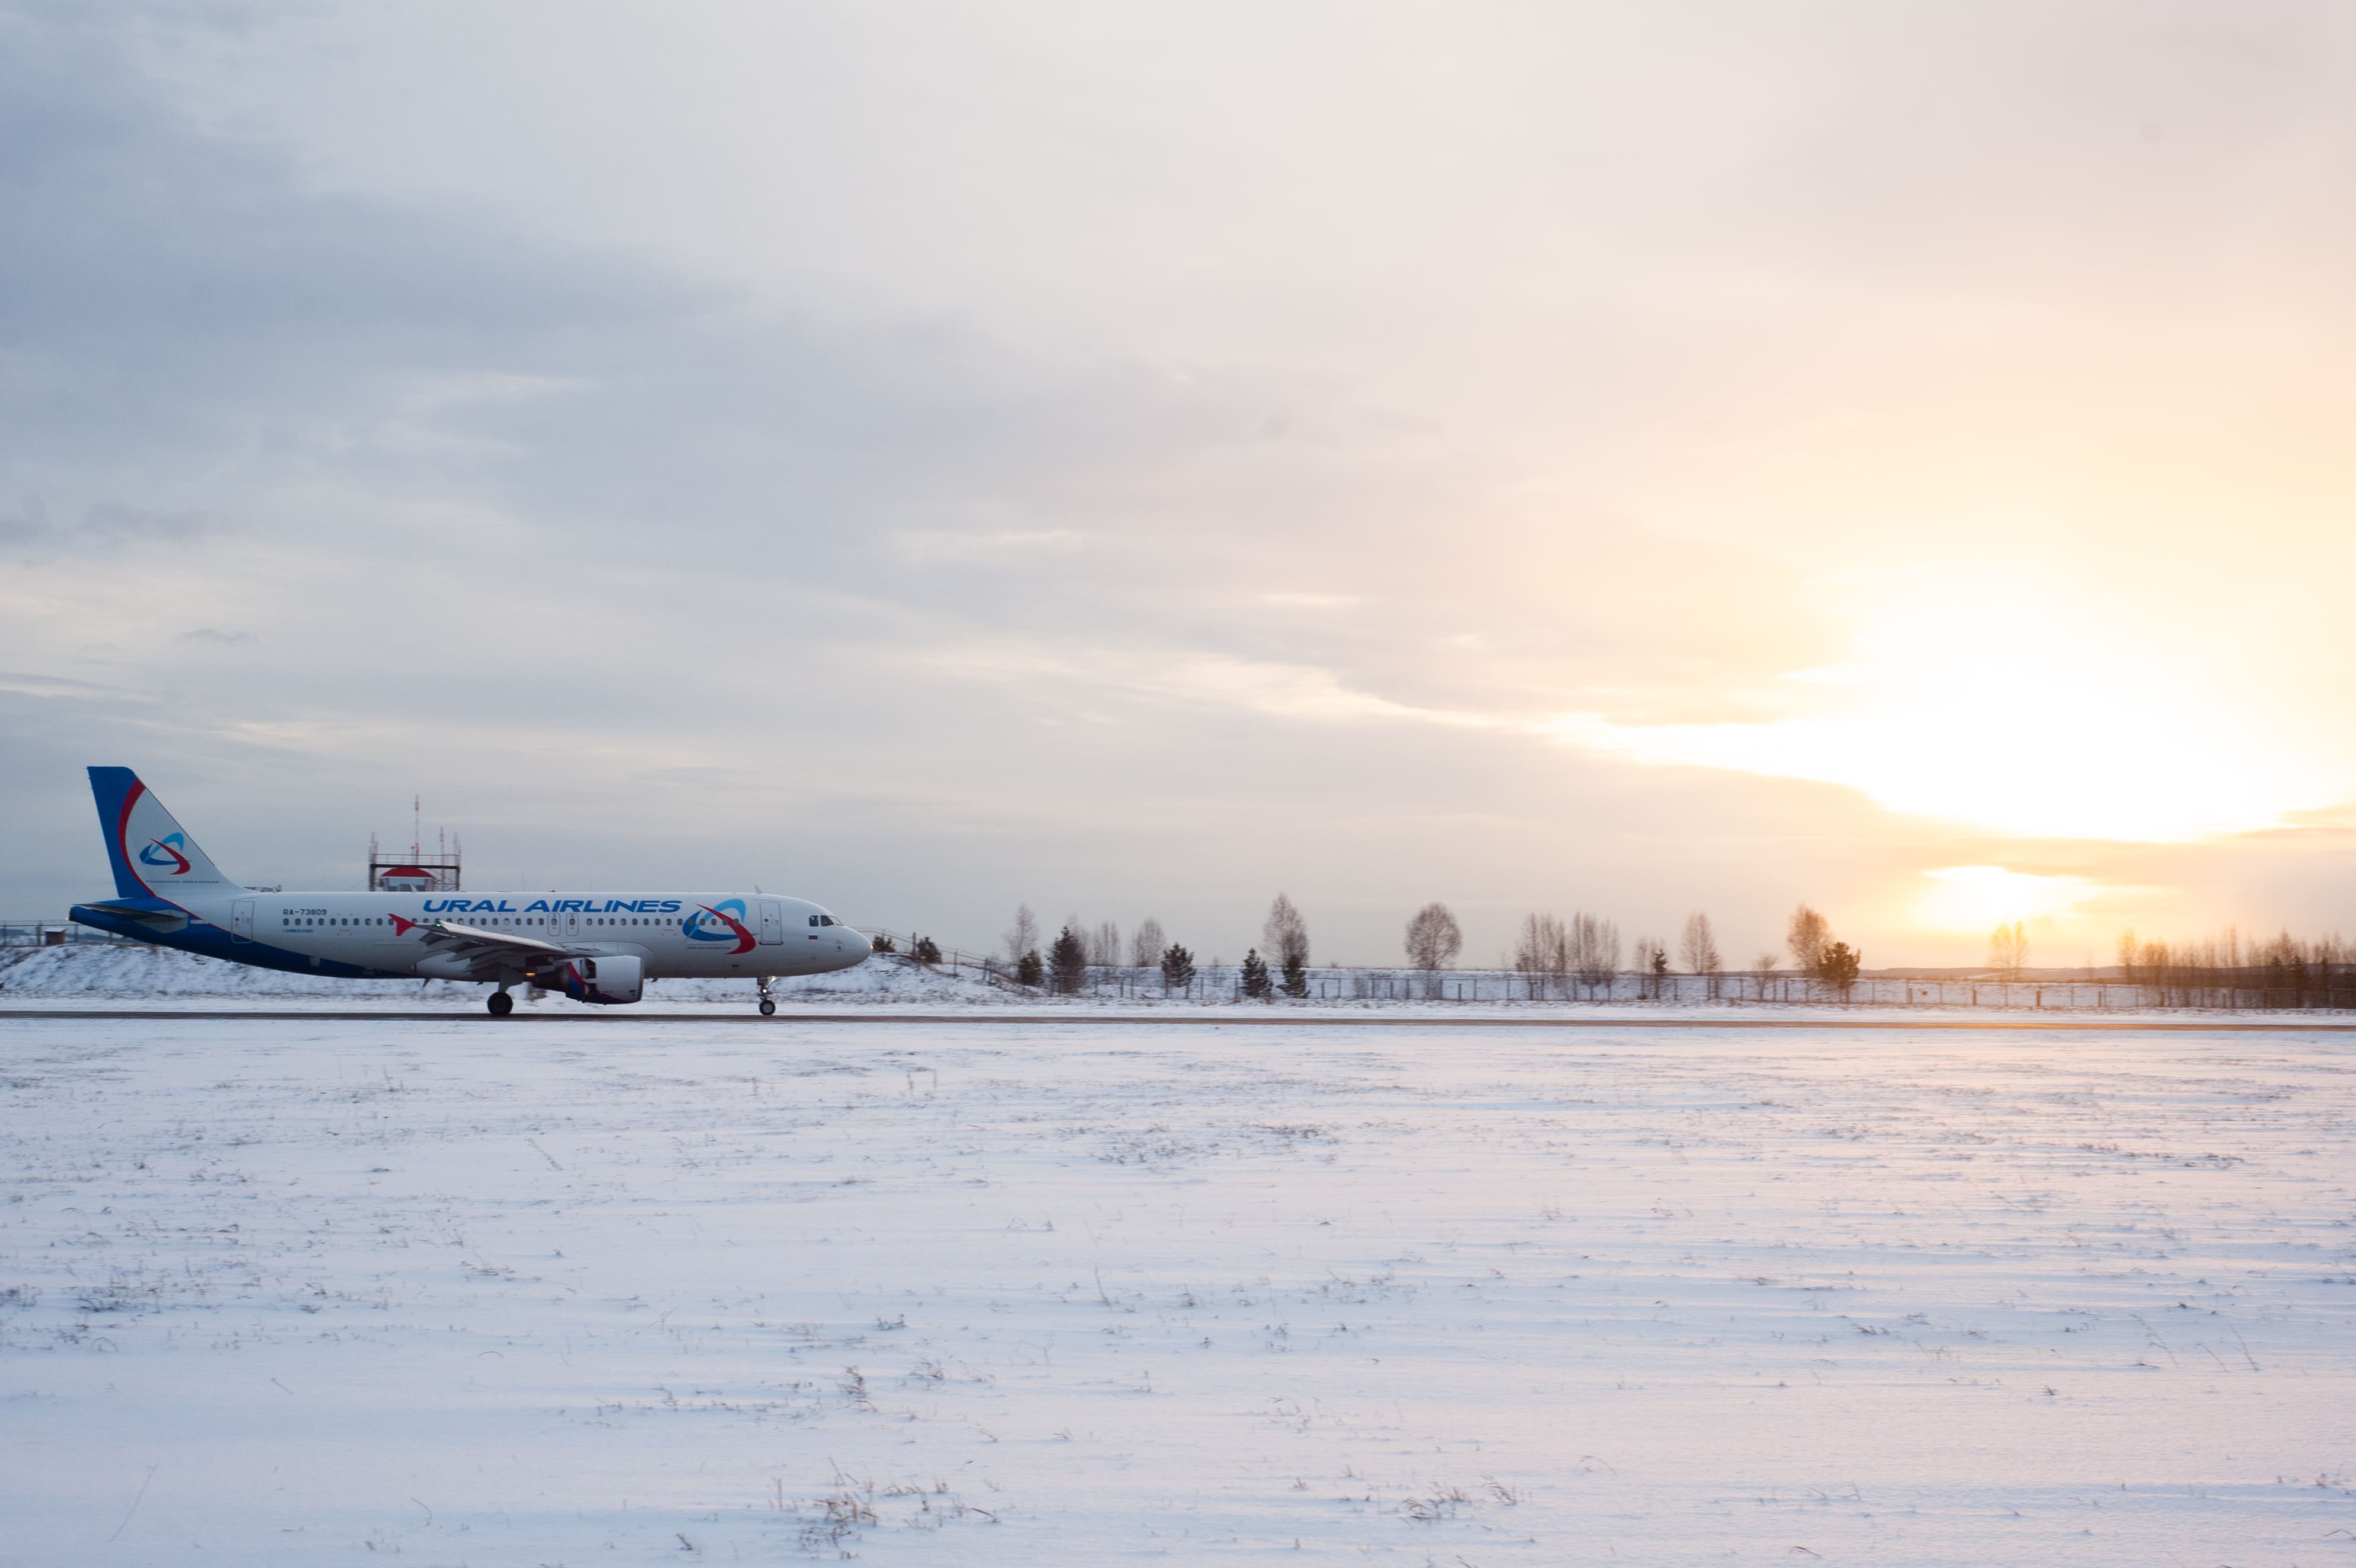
<point x="1554" y="955"/>
<point x="1574" y="957"/>
<point x="2225" y="969"/>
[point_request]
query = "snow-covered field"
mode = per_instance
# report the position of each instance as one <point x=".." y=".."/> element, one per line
<point x="301" y="1291"/>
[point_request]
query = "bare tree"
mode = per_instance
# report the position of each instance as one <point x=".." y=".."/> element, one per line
<point x="1594" y="949"/>
<point x="1433" y="940"/>
<point x="1286" y="934"/>
<point x="1542" y="953"/>
<point x="1146" y="948"/>
<point x="1024" y="937"/>
<point x="1104" y="946"/>
<point x="2008" y="949"/>
<point x="1765" y="965"/>
<point x="1699" y="949"/>
<point x="1806" y="935"/>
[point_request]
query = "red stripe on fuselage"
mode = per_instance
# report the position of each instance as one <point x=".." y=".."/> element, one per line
<point x="745" y="938"/>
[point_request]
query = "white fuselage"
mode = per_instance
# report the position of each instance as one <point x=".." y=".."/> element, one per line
<point x="672" y="934"/>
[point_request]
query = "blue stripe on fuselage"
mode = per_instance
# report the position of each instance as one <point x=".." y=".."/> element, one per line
<point x="209" y="941"/>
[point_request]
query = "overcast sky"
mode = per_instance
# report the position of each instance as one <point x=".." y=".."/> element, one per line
<point x="1633" y="458"/>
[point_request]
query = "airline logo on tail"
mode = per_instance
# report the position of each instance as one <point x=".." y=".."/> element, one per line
<point x="165" y="854"/>
<point x="700" y="929"/>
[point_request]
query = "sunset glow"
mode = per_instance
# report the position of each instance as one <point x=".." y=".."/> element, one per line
<point x="1541" y="458"/>
<point x="1975" y="699"/>
<point x="1970" y="901"/>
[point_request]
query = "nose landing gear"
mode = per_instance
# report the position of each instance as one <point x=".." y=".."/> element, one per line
<point x="768" y="1007"/>
<point x="500" y="1003"/>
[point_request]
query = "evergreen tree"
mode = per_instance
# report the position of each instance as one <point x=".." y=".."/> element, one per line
<point x="1256" y="984"/>
<point x="1068" y="959"/>
<point x="1838" y="966"/>
<point x="1177" y="968"/>
<point x="927" y="951"/>
<point x="882" y="942"/>
<point x="1028" y="971"/>
<point x="1296" y="977"/>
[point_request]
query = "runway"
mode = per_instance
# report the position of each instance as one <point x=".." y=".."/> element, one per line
<point x="1141" y="1017"/>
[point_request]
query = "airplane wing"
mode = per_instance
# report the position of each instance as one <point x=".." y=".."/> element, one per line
<point x="488" y="952"/>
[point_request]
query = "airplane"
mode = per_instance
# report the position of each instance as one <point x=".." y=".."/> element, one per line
<point x="597" y="948"/>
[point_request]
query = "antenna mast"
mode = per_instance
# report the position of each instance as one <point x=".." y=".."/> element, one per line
<point x="417" y="872"/>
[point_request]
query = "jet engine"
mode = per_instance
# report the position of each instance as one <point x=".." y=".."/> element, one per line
<point x="609" y="979"/>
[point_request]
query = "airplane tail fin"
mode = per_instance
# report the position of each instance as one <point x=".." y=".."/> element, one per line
<point x="153" y="855"/>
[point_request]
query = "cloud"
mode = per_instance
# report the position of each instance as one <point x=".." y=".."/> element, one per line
<point x="1085" y="459"/>
<point x="103" y="526"/>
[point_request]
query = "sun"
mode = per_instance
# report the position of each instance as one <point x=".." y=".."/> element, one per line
<point x="1981" y="698"/>
<point x="1970" y="901"/>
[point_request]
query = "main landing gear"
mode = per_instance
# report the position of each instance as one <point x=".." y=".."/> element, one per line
<point x="500" y="1003"/>
<point x="768" y="1007"/>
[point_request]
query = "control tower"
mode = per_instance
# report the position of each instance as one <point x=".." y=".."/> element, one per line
<point x="414" y="870"/>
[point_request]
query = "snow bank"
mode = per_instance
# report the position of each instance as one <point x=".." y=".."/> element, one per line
<point x="133" y="971"/>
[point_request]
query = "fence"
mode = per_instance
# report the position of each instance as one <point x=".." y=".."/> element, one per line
<point x="2218" y="991"/>
<point x="2224" y="992"/>
<point x="53" y="933"/>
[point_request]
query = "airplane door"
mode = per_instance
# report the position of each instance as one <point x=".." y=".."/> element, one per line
<point x="566" y="924"/>
<point x="241" y="920"/>
<point x="772" y="924"/>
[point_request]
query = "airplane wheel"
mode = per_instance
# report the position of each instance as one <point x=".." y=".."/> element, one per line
<point x="768" y="1007"/>
<point x="501" y="1003"/>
